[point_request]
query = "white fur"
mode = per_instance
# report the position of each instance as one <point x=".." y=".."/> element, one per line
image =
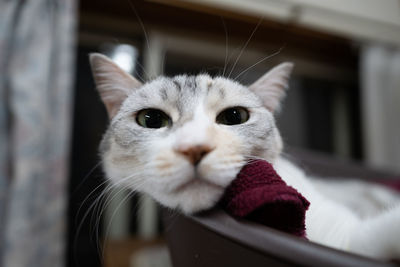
<point x="149" y="160"/>
<point x="195" y="132"/>
<point x="333" y="224"/>
<point x="363" y="198"/>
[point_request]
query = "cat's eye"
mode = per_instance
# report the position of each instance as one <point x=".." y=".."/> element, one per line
<point x="153" y="118"/>
<point x="232" y="116"/>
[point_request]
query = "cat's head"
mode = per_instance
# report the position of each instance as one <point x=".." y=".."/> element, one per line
<point x="182" y="140"/>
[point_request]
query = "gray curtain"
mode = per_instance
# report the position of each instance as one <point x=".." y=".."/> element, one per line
<point x="37" y="55"/>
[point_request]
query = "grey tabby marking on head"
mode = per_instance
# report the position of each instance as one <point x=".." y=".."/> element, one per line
<point x="177" y="84"/>
<point x="164" y="94"/>
<point x="190" y="83"/>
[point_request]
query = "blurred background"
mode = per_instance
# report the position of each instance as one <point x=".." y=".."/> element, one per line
<point x="344" y="101"/>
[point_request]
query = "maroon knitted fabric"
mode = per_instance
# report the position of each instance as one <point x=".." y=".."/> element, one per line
<point x="260" y="195"/>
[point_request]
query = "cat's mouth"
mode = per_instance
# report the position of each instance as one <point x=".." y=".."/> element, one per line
<point x="196" y="182"/>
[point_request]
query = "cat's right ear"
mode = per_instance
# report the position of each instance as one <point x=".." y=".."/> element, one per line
<point x="272" y="86"/>
<point x="113" y="84"/>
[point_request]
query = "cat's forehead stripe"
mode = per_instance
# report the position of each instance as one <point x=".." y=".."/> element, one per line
<point x="164" y="94"/>
<point x="177" y="84"/>
<point x="190" y="83"/>
<point x="221" y="92"/>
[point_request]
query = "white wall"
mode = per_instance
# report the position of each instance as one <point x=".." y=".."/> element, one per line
<point x="365" y="20"/>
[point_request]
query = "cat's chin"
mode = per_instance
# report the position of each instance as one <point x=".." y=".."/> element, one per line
<point x="193" y="196"/>
<point x="195" y="184"/>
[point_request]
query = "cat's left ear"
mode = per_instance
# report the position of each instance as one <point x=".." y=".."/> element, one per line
<point x="271" y="87"/>
<point x="113" y="83"/>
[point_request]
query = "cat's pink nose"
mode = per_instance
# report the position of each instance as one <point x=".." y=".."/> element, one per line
<point x="195" y="153"/>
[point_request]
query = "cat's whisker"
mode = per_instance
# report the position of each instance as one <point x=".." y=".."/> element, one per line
<point x="107" y="229"/>
<point x="249" y="159"/>
<point x="97" y="201"/>
<point x="110" y="195"/>
<point x="235" y="51"/>
<point x="136" y="185"/>
<point x="111" y="192"/>
<point x="132" y="6"/>
<point x="93" y="204"/>
<point x="96" y="218"/>
<point x="163" y="63"/>
<point x="120" y="185"/>
<point x="87" y="176"/>
<point x="86" y="214"/>
<point x="258" y="62"/>
<point x="245" y="46"/>
<point x="99" y="207"/>
<point x="90" y="195"/>
<point x="226" y="45"/>
<point x="143" y="70"/>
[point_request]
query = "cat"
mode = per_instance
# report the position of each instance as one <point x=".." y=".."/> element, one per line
<point x="182" y="140"/>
